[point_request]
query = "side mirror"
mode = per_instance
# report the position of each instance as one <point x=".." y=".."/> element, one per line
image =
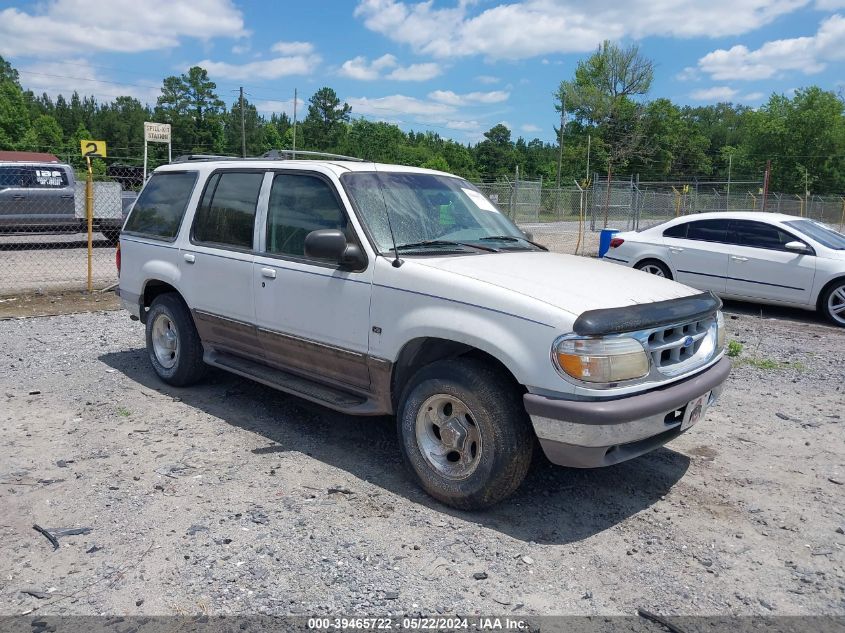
<point x="798" y="247"/>
<point x="331" y="245"/>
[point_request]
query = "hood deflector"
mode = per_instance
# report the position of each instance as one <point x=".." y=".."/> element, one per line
<point x="646" y="315"/>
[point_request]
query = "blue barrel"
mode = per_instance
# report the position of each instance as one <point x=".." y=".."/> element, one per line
<point x="604" y="240"/>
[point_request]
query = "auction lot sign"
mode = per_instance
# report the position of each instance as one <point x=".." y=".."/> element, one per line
<point x="156" y="133"/>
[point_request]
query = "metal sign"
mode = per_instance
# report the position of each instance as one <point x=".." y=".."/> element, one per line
<point x="156" y="132"/>
<point x="93" y="148"/>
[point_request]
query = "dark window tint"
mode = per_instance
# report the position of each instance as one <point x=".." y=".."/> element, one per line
<point x="708" y="230"/>
<point x="298" y="205"/>
<point x="227" y="212"/>
<point x="159" y="209"/>
<point x="825" y="235"/>
<point x="679" y="230"/>
<point x="760" y="235"/>
<point x="32" y="177"/>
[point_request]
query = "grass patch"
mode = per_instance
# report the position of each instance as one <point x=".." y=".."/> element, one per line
<point x="123" y="411"/>
<point x="734" y="349"/>
<point x="769" y="363"/>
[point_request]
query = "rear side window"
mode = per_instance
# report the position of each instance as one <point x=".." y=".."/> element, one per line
<point x="226" y="216"/>
<point x="159" y="209"/>
<point x="679" y="230"/>
<point x="298" y="205"/>
<point x="708" y="231"/>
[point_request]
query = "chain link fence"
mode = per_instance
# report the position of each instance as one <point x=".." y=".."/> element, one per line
<point x="44" y="245"/>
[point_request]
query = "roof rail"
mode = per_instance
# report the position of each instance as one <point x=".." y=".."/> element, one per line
<point x="283" y="154"/>
<point x="187" y="158"/>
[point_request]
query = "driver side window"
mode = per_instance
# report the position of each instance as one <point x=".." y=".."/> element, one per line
<point x="298" y="205"/>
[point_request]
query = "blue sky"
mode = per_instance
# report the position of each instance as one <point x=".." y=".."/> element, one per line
<point x="456" y="67"/>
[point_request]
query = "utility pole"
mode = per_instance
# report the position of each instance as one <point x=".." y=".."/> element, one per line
<point x="294" y="123"/>
<point x="243" y="126"/>
<point x="588" y="157"/>
<point x="766" y="183"/>
<point x="560" y="142"/>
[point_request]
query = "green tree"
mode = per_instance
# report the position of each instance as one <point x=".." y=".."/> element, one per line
<point x="253" y="128"/>
<point x="602" y="93"/>
<point x="495" y="154"/>
<point x="189" y="103"/>
<point x="45" y="135"/>
<point x="324" y="126"/>
<point x="14" y="115"/>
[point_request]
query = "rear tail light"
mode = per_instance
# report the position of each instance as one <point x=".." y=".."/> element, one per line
<point x="117" y="259"/>
<point x="616" y="241"/>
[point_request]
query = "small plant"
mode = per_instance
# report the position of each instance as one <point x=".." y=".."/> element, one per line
<point x="123" y="411"/>
<point x="734" y="349"/>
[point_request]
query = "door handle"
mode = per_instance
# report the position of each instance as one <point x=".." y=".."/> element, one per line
<point x="19" y="198"/>
<point x="675" y="249"/>
<point x="190" y="258"/>
<point x="67" y="196"/>
<point x="739" y="259"/>
<point x="268" y="272"/>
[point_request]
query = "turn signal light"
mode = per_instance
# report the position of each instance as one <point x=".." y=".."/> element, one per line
<point x="117" y="259"/>
<point x="616" y="241"/>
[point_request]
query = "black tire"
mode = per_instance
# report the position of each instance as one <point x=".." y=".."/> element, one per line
<point x="112" y="237"/>
<point x="506" y="437"/>
<point x="832" y="295"/>
<point x="188" y="366"/>
<point x="647" y="264"/>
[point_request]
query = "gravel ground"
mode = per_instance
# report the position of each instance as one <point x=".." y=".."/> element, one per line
<point x="233" y="498"/>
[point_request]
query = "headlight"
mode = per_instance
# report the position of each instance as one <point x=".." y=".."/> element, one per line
<point x="601" y="360"/>
<point x="721" y="334"/>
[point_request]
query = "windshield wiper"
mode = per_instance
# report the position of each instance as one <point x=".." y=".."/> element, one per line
<point x="512" y="238"/>
<point x="446" y="243"/>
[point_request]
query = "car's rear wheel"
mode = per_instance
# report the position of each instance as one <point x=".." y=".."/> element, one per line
<point x="173" y="345"/>
<point x="464" y="433"/>
<point x="833" y="303"/>
<point x="654" y="267"/>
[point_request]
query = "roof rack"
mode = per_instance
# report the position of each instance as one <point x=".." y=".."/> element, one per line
<point x="282" y="154"/>
<point x="273" y="154"/>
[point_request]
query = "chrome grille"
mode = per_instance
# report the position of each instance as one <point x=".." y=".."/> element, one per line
<point x="674" y="348"/>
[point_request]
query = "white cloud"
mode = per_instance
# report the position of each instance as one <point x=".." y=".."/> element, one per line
<point x="260" y="70"/>
<point x="688" y="74"/>
<point x="830" y="5"/>
<point x="451" y="98"/>
<point x="530" y="127"/>
<point x="76" y="27"/>
<point x="398" y="105"/>
<point x="487" y="79"/>
<point x="240" y="49"/>
<point x="360" y="68"/>
<point x="80" y="76"/>
<point x="293" y="48"/>
<point x="716" y="93"/>
<point x="808" y="55"/>
<point x="416" y="72"/>
<point x="277" y="107"/>
<point x="539" y="27"/>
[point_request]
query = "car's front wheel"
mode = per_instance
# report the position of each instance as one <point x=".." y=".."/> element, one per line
<point x="465" y="434"/>
<point x="833" y="303"/>
<point x="173" y="344"/>
<point x="654" y="267"/>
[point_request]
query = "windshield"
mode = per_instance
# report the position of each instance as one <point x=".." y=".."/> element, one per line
<point x="430" y="211"/>
<point x="819" y="232"/>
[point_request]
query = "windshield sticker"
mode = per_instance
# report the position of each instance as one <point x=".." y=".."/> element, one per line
<point x="48" y="178"/>
<point x="480" y="201"/>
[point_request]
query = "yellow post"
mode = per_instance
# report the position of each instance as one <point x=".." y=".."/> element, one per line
<point x="753" y="201"/>
<point x="89" y="213"/>
<point x="800" y="206"/>
<point x="677" y="202"/>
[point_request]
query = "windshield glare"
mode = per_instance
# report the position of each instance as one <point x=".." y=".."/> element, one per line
<point x="425" y="207"/>
<point x="819" y="232"/>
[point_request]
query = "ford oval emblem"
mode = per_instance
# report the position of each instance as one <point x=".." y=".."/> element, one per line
<point x="688" y="341"/>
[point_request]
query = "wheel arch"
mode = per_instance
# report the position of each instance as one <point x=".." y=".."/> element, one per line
<point x="422" y="351"/>
<point x="153" y="288"/>
<point x="830" y="283"/>
<point x="657" y="260"/>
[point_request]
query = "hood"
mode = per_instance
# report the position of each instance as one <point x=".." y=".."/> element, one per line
<point x="569" y="282"/>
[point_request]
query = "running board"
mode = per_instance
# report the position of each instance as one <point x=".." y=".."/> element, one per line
<point x="291" y="383"/>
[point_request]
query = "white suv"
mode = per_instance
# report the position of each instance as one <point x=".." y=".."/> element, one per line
<point x="380" y="289"/>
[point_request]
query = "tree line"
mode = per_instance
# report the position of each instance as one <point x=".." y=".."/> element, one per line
<point x="610" y="129"/>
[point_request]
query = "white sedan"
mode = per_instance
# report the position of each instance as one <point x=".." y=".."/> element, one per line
<point x="763" y="257"/>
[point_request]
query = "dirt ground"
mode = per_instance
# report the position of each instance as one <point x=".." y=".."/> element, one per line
<point x="233" y="498"/>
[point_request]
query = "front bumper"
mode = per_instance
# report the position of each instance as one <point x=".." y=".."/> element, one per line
<point x="589" y="434"/>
